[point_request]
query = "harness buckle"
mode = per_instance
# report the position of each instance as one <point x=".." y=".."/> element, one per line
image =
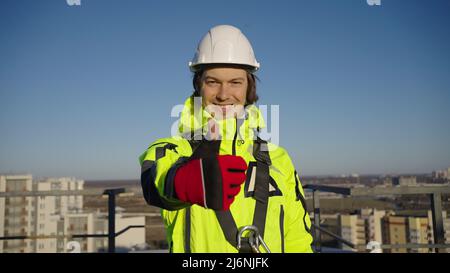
<point x="254" y="239"/>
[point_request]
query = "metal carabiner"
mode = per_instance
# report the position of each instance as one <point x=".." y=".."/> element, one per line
<point x="254" y="243"/>
<point x="254" y="239"/>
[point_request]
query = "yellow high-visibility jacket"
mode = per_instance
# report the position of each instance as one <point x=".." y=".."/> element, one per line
<point x="192" y="228"/>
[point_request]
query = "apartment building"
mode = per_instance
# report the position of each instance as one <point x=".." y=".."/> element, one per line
<point x="16" y="214"/>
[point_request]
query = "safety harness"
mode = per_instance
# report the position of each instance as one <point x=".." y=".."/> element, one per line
<point x="234" y="236"/>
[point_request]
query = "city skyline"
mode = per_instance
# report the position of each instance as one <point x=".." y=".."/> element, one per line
<point x="361" y="89"/>
<point x="45" y="210"/>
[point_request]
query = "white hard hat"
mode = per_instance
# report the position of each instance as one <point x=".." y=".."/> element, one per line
<point x="224" y="44"/>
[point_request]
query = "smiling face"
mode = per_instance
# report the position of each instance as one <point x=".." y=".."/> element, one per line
<point x="224" y="87"/>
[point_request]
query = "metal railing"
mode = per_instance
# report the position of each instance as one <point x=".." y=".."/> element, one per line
<point x="110" y="193"/>
<point x="434" y="193"/>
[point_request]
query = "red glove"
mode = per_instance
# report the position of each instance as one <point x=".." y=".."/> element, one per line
<point x="211" y="182"/>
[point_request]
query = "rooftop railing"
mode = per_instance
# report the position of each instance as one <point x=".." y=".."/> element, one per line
<point x="110" y="193"/>
<point x="434" y="193"/>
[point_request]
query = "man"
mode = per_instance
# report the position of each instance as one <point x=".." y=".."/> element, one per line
<point x="221" y="187"/>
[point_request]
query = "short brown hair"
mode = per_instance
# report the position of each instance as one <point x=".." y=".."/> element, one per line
<point x="251" y="96"/>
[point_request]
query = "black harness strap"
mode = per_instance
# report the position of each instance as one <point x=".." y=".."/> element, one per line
<point x="228" y="226"/>
<point x="261" y="193"/>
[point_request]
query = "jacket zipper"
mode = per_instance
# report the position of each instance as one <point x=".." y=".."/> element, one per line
<point x="234" y="139"/>
<point x="282" y="227"/>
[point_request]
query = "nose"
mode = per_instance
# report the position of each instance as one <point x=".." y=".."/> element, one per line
<point x="222" y="95"/>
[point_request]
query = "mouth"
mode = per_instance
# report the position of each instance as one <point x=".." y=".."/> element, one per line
<point x="225" y="108"/>
<point x="223" y="105"/>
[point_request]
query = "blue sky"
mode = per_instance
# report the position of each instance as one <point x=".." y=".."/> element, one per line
<point x="362" y="89"/>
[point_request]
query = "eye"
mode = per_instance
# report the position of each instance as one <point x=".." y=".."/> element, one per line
<point x="211" y="82"/>
<point x="236" y="83"/>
